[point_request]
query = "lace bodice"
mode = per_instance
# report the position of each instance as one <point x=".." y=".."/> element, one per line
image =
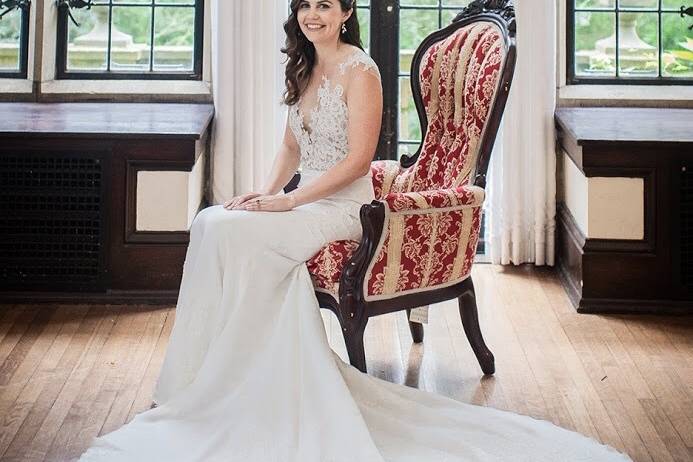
<point x="322" y="138"/>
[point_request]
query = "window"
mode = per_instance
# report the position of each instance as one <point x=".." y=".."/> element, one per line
<point x="417" y="19"/>
<point x="14" y="38"/>
<point x="401" y="27"/>
<point x="130" y="39"/>
<point x="629" y="41"/>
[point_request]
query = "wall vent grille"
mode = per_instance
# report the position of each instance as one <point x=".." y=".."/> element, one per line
<point x="51" y="235"/>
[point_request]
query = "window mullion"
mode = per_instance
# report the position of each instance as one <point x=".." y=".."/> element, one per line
<point x="151" y="39"/>
<point x="660" y="41"/>
<point x="385" y="51"/>
<point x="109" y="54"/>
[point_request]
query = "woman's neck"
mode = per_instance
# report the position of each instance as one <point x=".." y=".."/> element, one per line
<point x="328" y="55"/>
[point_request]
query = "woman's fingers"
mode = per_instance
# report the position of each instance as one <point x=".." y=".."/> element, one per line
<point x="233" y="202"/>
<point x="239" y="202"/>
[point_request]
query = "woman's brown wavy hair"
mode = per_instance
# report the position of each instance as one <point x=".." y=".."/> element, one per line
<point x="300" y="51"/>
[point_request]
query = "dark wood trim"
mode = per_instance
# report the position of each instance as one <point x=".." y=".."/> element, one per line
<point x="570" y="244"/>
<point x="635" y="306"/>
<point x="566" y="142"/>
<point x="648" y="243"/>
<point x="575" y="264"/>
<point x="384" y="49"/>
<point x="618" y="125"/>
<point x="132" y="235"/>
<point x="125" y="297"/>
<point x="112" y="121"/>
<point x="140" y="267"/>
<point x="23" y="57"/>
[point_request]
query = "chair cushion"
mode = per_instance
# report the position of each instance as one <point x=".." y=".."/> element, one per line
<point x="326" y="266"/>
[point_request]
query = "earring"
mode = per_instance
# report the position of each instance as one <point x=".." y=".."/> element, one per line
<point x="343" y="28"/>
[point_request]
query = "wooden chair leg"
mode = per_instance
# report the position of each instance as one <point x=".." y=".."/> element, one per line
<point x="470" y="322"/>
<point x="353" y="338"/>
<point x="416" y="329"/>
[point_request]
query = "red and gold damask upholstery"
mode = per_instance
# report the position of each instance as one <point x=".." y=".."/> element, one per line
<point x="432" y="213"/>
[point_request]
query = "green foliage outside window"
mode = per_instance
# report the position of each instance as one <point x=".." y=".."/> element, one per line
<point x="640" y="53"/>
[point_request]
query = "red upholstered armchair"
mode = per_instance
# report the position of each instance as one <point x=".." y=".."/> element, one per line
<point x="420" y="235"/>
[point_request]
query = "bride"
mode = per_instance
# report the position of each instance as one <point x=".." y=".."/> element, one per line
<point x="249" y="374"/>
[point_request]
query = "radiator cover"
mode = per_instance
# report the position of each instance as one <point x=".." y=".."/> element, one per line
<point x="53" y="231"/>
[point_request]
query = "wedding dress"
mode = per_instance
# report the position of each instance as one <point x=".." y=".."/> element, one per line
<point x="249" y="374"/>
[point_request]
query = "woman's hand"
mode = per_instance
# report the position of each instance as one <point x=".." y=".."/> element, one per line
<point x="237" y="202"/>
<point x="279" y="203"/>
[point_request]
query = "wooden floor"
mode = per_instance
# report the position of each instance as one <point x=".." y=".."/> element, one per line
<point x="69" y="373"/>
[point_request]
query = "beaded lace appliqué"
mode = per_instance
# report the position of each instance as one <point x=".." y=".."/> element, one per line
<point x="324" y="142"/>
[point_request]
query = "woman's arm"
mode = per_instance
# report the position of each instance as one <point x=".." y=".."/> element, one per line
<point x="283" y="169"/>
<point x="365" y="105"/>
<point x="285" y="164"/>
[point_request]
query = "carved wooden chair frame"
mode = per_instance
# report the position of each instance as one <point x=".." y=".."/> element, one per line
<point x="352" y="310"/>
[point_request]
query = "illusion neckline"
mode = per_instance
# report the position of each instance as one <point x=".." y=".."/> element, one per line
<point x="324" y="86"/>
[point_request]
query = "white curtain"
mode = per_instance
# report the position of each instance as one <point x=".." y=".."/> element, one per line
<point x="521" y="204"/>
<point x="247" y="80"/>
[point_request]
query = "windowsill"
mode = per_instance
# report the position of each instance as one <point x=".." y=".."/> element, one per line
<point x="16" y="86"/>
<point x="672" y="96"/>
<point x="128" y="90"/>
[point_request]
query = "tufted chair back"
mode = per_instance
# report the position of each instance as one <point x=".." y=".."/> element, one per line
<point x="458" y="80"/>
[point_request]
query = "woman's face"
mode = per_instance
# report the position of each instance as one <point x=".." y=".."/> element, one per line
<point x="321" y="20"/>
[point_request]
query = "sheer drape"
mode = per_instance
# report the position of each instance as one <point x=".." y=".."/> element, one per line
<point x="521" y="203"/>
<point x="247" y="78"/>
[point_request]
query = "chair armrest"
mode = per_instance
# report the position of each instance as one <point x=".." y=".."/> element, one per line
<point x="426" y="240"/>
<point x="384" y="173"/>
<point x="460" y="197"/>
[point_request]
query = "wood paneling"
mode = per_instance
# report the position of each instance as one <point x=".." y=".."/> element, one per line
<point x="105" y="120"/>
<point x="70" y="373"/>
<point x="139" y="266"/>
<point x="617" y="275"/>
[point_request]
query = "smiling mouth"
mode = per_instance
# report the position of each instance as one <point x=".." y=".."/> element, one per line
<point x="314" y="27"/>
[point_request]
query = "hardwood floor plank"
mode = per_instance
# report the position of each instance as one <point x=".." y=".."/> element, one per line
<point x="101" y="388"/>
<point x="44" y="384"/>
<point x="145" y="389"/>
<point x="666" y="432"/>
<point x="569" y="360"/>
<point x="382" y="345"/>
<point x="20" y="367"/>
<point x="14" y="334"/>
<point x="77" y="365"/>
<point x="8" y="314"/>
<point x="127" y="391"/>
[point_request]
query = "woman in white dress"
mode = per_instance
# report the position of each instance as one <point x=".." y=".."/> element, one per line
<point x="249" y="374"/>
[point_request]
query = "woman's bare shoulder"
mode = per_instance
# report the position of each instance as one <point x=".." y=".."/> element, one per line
<point x="358" y="62"/>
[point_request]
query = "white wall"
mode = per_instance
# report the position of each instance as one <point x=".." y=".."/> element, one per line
<point x="169" y="200"/>
<point x="603" y="207"/>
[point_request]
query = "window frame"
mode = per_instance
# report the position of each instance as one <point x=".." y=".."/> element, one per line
<point x="23" y="71"/>
<point x="570" y="50"/>
<point x="385" y="50"/>
<point x="61" y="49"/>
